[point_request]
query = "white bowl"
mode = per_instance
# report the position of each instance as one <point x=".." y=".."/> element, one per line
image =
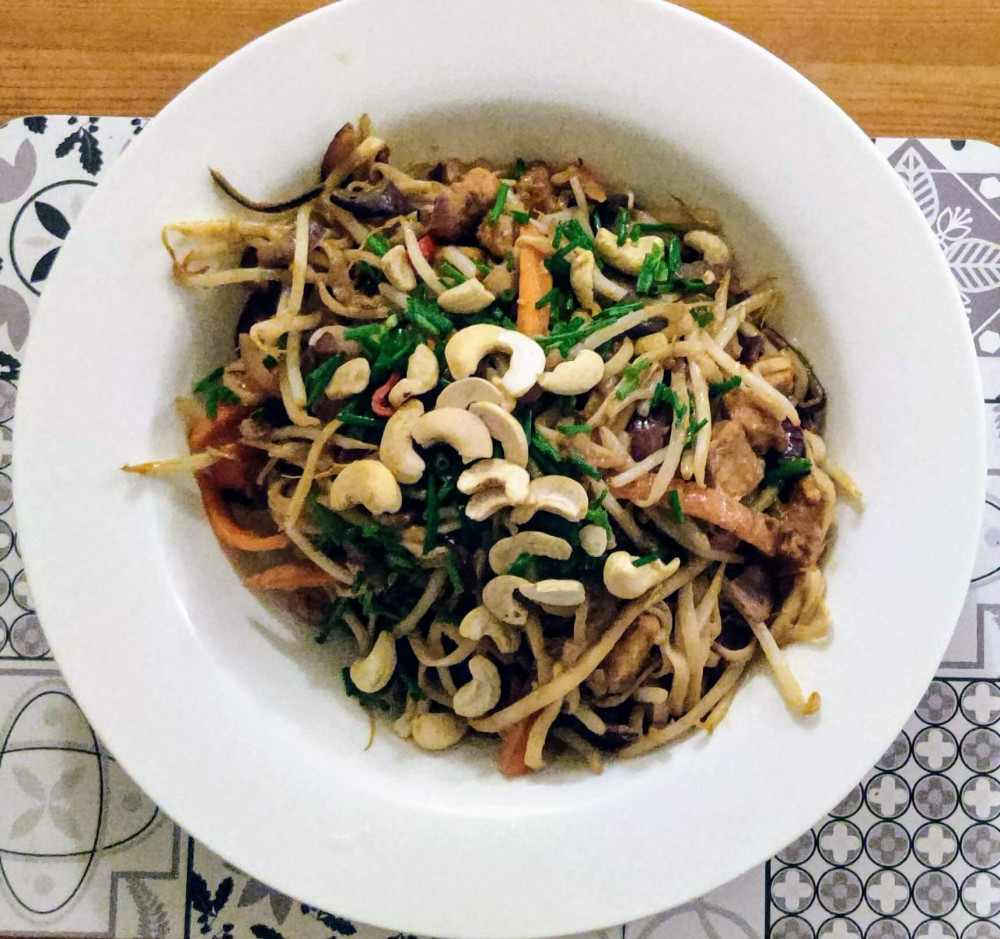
<point x="236" y="723"/>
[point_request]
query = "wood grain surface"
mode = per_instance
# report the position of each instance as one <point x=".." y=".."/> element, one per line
<point x="899" y="67"/>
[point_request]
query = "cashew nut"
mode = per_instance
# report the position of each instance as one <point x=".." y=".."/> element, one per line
<point x="397" y="269"/>
<point x="626" y="581"/>
<point x="499" y="599"/>
<point x="372" y="673"/>
<point x="555" y="593"/>
<point x="479" y="623"/>
<point x="494" y="474"/>
<point x="505" y="429"/>
<point x="486" y="503"/>
<point x="463" y="431"/>
<point x="713" y="249"/>
<point x="368" y="483"/>
<point x="581" y="277"/>
<point x="467" y="391"/>
<point x="437" y="730"/>
<point x="538" y="543"/>
<point x="481" y="694"/>
<point x="470" y="296"/>
<point x="574" y="377"/>
<point x="560" y="495"/>
<point x="421" y="376"/>
<point x="413" y="541"/>
<point x="467" y="348"/>
<point x="350" y="379"/>
<point x="594" y="540"/>
<point x="396" y="448"/>
<point x="628" y="257"/>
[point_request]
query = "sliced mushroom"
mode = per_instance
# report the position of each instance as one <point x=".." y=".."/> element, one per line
<point x="560" y="495"/>
<point x="537" y="543"/>
<point x="368" y="483"/>
<point x="396" y="448"/>
<point x="462" y="431"/>
<point x="421" y="376"/>
<point x="504" y="428"/>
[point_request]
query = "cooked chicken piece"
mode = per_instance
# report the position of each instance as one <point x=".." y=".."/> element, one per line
<point x="499" y="237"/>
<point x="456" y="213"/>
<point x="762" y="427"/>
<point x="751" y="594"/>
<point x="625" y="662"/>
<point x="534" y="189"/>
<point x="806" y="519"/>
<point x="732" y="465"/>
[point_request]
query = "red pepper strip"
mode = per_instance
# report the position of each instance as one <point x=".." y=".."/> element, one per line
<point x="225" y="527"/>
<point x="380" y="400"/>
<point x="513" y="744"/>
<point x="427" y="246"/>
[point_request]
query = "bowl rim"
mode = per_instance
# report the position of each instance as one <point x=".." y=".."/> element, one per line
<point x="27" y="491"/>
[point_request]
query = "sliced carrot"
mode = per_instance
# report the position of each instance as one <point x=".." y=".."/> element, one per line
<point x="291" y="576"/>
<point x="223" y="428"/>
<point x="534" y="282"/>
<point x="427" y="246"/>
<point x="238" y="467"/>
<point x="380" y="400"/>
<point x="513" y="745"/>
<point x="225" y="527"/>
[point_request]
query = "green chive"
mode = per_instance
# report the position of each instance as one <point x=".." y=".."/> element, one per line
<point x="452" y="571"/>
<point x="317" y="380"/>
<point x="449" y="270"/>
<point x="483" y="269"/>
<point x="431" y="517"/>
<point x="673" y="256"/>
<point x="621" y="225"/>
<point x="499" y="204"/>
<point x="522" y="218"/>
<point x="518" y="169"/>
<point x="377" y="244"/>
<point x="583" y="466"/>
<point x="787" y="469"/>
<point x="570" y="429"/>
<point x="521" y="565"/>
<point x="647" y="559"/>
<point x="675" y="506"/>
<point x="630" y="378"/>
<point x="702" y="315"/>
<point x="717" y="388"/>
<point x="647" y="228"/>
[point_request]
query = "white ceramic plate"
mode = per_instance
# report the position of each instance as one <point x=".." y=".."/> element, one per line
<point x="235" y="723"/>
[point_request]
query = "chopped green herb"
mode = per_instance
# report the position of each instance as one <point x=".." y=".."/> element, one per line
<point x="452" y="572"/>
<point x="431" y="516"/>
<point x="426" y="315"/>
<point x="482" y="267"/>
<point x="507" y="296"/>
<point x="451" y="276"/>
<point x="652" y="265"/>
<point x="595" y="220"/>
<point x="665" y="395"/>
<point x="367" y="277"/>
<point x="522" y="565"/>
<point x="630" y="378"/>
<point x="649" y="228"/>
<point x="377" y="244"/>
<point x="269" y="361"/>
<point x="621" y="226"/>
<point x="691" y="435"/>
<point x="583" y="466"/>
<point x="692" y="285"/>
<point x="498" y="205"/>
<point x="675" y="506"/>
<point x="215" y="392"/>
<point x="522" y="218"/>
<point x="518" y="169"/>
<point x="597" y="514"/>
<point x="544" y="447"/>
<point x="702" y="315"/>
<point x="647" y="559"/>
<point x="673" y="257"/>
<point x="361" y="420"/>
<point x="570" y="429"/>
<point x="717" y="388"/>
<point x="334" y="620"/>
<point x="317" y="380"/>
<point x="510" y="260"/>
<point x="567" y="334"/>
<point x="787" y="469"/>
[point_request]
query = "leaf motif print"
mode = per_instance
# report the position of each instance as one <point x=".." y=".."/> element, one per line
<point x="975" y="262"/>
<point x="953" y="224"/>
<point x="918" y="179"/>
<point x="29" y="783"/>
<point x="42" y="269"/>
<point x="53" y="221"/>
<point x="26" y="821"/>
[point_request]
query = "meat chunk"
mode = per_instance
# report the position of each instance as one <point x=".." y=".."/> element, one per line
<point x="751" y="594"/>
<point x="647" y="435"/>
<point x="498" y="238"/>
<point x="457" y="211"/>
<point x="806" y="520"/>
<point x="625" y="662"/>
<point x="339" y="149"/>
<point x="763" y="428"/>
<point x="535" y="189"/>
<point x="732" y="465"/>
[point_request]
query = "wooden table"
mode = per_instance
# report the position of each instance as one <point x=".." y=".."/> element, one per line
<point x="899" y="67"/>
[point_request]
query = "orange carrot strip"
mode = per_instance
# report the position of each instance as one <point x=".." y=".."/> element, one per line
<point x="225" y="527"/>
<point x="513" y="744"/>
<point x="206" y="432"/>
<point x="534" y="282"/>
<point x="291" y="576"/>
<point x="380" y="400"/>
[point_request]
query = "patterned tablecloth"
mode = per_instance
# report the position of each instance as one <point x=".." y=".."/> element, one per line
<point x="912" y="851"/>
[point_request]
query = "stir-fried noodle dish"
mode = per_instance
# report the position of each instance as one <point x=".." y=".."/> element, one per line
<point x="529" y="442"/>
